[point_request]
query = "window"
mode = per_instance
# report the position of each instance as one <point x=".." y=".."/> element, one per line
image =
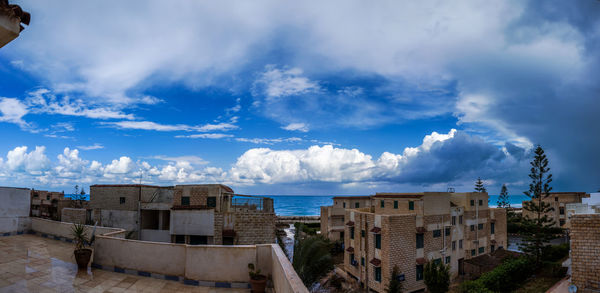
<point x="472" y="252"/>
<point x="448" y="260"/>
<point x="460" y="219"/>
<point x="378" y="241"/>
<point x="447" y="232"/>
<point x="228" y="240"/>
<point x="411" y="205"/>
<point x="356" y="205"/>
<point x="453" y="220"/>
<point x="479" y="226"/>
<point x="481" y="250"/>
<point x="437" y="261"/>
<point x="419" y="272"/>
<point x="556" y="198"/>
<point x="47" y="197"/>
<point x="378" y="274"/>
<point x="362" y="233"/>
<point x="460" y="244"/>
<point x="185" y="200"/>
<point x="121" y="200"/>
<point x="493" y="228"/>
<point x="179" y="238"/>
<point x="480" y="202"/>
<point x="211" y="202"/>
<point x="561" y="210"/>
<point x="351" y="232"/>
<point x="492" y="248"/>
<point x="420" y="241"/>
<point x="453" y="245"/>
<point x="472" y="227"/>
<point x="362" y="261"/>
<point x="437" y="233"/>
<point x="472" y="202"/>
<point x="344" y="204"/>
<point x="562" y="222"/>
<point x="396" y="204"/>
<point x="198" y="240"/>
<point x="382" y="203"/>
<point x="352" y="261"/>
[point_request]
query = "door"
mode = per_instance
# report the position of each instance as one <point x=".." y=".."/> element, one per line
<point x="461" y="266"/>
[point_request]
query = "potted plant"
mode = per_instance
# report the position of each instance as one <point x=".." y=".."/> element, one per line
<point x="80" y="237"/>
<point x="258" y="282"/>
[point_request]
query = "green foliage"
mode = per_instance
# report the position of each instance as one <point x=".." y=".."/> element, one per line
<point x="473" y="287"/>
<point x="504" y="278"/>
<point x="554" y="253"/>
<point x="437" y="277"/>
<point x="310" y="229"/>
<point x="255" y="274"/>
<point x="312" y="259"/>
<point x="394" y="286"/>
<point x="539" y="189"/>
<point x="503" y="201"/>
<point x="479" y="185"/>
<point x="80" y="237"/>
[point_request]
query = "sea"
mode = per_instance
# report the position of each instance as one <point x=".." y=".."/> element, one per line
<point x="309" y="205"/>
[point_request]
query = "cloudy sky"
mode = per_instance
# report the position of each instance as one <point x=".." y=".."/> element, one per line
<point x="302" y="97"/>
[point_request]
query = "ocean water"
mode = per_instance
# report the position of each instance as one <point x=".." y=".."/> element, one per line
<point x="309" y="205"/>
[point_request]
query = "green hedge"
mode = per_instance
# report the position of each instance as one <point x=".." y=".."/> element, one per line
<point x="504" y="278"/>
<point x="554" y="253"/>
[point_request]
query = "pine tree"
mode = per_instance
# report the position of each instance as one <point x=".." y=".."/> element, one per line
<point x="479" y="185"/>
<point x="503" y="201"/>
<point x="539" y="189"/>
<point x="395" y="285"/>
<point x="436" y="276"/>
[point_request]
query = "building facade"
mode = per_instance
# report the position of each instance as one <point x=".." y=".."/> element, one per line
<point x="559" y="201"/>
<point x="213" y="214"/>
<point x="333" y="217"/>
<point x="409" y="229"/>
<point x="47" y="204"/>
<point x="192" y="214"/>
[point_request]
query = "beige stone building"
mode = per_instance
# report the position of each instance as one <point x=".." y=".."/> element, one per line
<point x="192" y="214"/>
<point x="213" y="214"/>
<point x="333" y="217"/>
<point x="409" y="229"/>
<point x="585" y="259"/>
<point x="559" y="201"/>
<point x="47" y="204"/>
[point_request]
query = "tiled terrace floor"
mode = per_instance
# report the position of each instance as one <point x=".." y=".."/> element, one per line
<point x="30" y="263"/>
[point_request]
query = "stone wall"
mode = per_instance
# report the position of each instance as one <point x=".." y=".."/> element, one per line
<point x="585" y="245"/>
<point x="254" y="228"/>
<point x="71" y="215"/>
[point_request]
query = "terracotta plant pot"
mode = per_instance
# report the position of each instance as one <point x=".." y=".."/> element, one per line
<point x="82" y="257"/>
<point x="258" y="284"/>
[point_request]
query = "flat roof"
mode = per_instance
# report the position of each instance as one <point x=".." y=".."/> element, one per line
<point x="397" y="195"/>
<point x="352" y="197"/>
<point x="129" y="185"/>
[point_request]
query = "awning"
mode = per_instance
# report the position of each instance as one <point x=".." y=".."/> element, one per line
<point x="421" y="230"/>
<point x="228" y="233"/>
<point x="421" y="261"/>
<point x="376" y="262"/>
<point x="350" y="249"/>
<point x="376" y="230"/>
<point x="350" y="223"/>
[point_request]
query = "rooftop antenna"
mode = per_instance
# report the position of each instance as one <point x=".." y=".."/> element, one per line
<point x="450" y="189"/>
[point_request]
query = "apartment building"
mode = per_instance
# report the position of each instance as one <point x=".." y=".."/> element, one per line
<point x="213" y="214"/>
<point x="47" y="204"/>
<point x="333" y="217"/>
<point x="559" y="201"/>
<point x="192" y="214"/>
<point x="142" y="210"/>
<point x="584" y="232"/>
<point x="409" y="229"/>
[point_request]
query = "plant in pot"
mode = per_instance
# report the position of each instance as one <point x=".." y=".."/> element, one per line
<point x="80" y="237"/>
<point x="258" y="282"/>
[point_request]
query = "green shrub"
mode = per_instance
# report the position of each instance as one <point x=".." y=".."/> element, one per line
<point x="473" y="287"/>
<point x="553" y="269"/>
<point x="554" y="253"/>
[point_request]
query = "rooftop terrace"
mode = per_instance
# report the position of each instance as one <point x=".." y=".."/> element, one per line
<point x="30" y="263"/>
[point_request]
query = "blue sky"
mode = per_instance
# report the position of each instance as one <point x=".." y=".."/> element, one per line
<point x="284" y="97"/>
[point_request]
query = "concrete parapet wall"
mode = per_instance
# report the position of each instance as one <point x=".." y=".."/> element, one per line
<point x="62" y="229"/>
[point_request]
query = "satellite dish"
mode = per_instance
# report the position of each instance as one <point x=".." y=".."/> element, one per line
<point x="572" y="289"/>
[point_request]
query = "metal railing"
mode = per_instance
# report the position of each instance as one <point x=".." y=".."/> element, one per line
<point x="249" y="203"/>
